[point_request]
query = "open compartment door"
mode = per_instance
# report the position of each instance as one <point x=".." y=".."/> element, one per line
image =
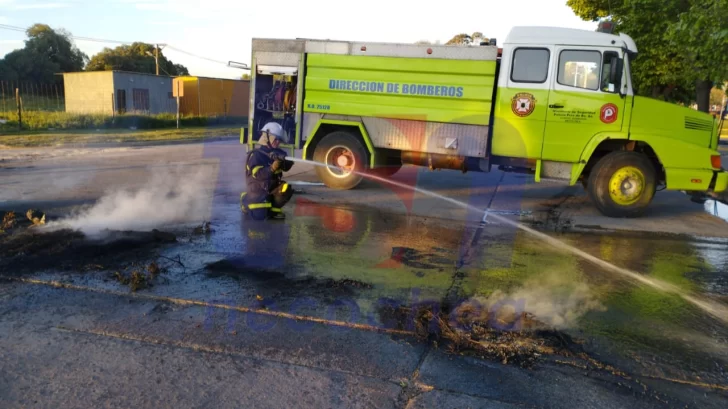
<point x="275" y="95"/>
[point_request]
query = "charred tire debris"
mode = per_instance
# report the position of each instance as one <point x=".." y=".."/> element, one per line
<point x="25" y="246"/>
<point x="28" y="244"/>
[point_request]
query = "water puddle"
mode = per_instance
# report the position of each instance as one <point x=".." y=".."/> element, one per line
<point x="649" y="304"/>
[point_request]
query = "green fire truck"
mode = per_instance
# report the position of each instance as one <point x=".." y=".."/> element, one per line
<point x="553" y="102"/>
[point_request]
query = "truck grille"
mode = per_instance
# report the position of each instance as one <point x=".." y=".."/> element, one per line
<point x="698" y="124"/>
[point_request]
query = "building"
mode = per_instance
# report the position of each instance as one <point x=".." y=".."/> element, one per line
<point x="107" y="92"/>
<point x="214" y="96"/>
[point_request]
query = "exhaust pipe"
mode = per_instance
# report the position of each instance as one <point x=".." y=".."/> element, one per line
<point x="434" y="160"/>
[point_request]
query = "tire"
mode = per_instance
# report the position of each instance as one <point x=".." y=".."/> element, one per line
<point x="341" y="143"/>
<point x="622" y="184"/>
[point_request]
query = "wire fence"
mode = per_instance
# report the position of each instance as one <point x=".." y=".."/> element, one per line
<point x="130" y="101"/>
<point x="32" y="96"/>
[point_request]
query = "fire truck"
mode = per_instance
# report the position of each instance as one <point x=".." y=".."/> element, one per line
<point x="555" y="103"/>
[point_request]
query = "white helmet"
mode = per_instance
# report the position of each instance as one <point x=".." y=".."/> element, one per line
<point x="275" y="130"/>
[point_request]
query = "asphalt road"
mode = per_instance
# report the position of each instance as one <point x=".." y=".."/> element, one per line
<point x="322" y="310"/>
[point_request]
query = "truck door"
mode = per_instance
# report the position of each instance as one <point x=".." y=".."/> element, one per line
<point x="582" y="101"/>
<point x="523" y="93"/>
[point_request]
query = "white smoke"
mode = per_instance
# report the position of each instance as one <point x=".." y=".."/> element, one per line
<point x="169" y="196"/>
<point x="553" y="299"/>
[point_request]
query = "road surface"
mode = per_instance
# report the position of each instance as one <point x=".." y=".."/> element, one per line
<point x="338" y="305"/>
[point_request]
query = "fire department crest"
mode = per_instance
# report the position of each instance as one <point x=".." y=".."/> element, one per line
<point x="523" y="104"/>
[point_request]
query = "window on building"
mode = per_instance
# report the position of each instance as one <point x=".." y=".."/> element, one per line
<point x="530" y="65"/>
<point x="141" y="99"/>
<point x="120" y="101"/>
<point x="580" y="69"/>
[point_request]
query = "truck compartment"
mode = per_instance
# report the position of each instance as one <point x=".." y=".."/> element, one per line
<point x="434" y="90"/>
<point x="275" y="100"/>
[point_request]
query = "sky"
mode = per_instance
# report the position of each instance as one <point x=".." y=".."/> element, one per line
<point x="222" y="29"/>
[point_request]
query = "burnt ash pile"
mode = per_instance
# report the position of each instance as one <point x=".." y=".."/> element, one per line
<point x="26" y="245"/>
<point x="510" y="338"/>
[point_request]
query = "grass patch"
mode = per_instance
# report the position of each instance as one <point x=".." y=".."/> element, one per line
<point x="46" y="120"/>
<point x="51" y="138"/>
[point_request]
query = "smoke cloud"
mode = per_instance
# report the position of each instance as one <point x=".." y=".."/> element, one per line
<point x="553" y="299"/>
<point x="169" y="196"/>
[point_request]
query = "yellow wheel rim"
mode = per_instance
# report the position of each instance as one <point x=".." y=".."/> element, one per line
<point x="627" y="185"/>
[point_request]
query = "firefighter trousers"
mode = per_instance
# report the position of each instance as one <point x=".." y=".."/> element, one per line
<point x="262" y="205"/>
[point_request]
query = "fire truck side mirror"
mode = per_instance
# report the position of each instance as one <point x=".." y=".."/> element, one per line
<point x="615" y="73"/>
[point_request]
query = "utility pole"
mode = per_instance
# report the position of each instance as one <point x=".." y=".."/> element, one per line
<point x="156" y="57"/>
<point x="19" y="103"/>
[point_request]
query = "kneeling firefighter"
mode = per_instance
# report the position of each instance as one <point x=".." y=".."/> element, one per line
<point x="266" y="192"/>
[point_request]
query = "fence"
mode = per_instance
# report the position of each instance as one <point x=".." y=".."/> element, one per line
<point x="34" y="96"/>
<point x="96" y="101"/>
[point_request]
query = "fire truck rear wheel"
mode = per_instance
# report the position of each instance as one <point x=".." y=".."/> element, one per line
<point x="345" y="158"/>
<point x="622" y="184"/>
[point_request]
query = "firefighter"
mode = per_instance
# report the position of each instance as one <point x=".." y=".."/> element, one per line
<point x="266" y="192"/>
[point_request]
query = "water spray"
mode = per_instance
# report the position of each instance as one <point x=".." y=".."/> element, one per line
<point x="715" y="309"/>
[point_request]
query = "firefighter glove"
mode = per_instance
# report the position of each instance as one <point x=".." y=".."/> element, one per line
<point x="277" y="156"/>
<point x="277" y="164"/>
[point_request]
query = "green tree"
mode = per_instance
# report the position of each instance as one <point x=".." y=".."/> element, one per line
<point x="682" y="43"/>
<point x="134" y="58"/>
<point x="701" y="32"/>
<point x="465" y="39"/>
<point x="46" y="52"/>
<point x="460" y="39"/>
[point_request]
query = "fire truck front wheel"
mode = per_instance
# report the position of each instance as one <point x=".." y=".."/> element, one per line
<point x="345" y="160"/>
<point x="622" y="184"/>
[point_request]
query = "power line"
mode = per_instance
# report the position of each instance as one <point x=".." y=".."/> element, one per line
<point x="12" y="28"/>
<point x="99" y="40"/>
<point x="195" y="55"/>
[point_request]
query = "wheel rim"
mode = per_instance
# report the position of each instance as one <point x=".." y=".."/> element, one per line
<point x="340" y="161"/>
<point x="627" y="185"/>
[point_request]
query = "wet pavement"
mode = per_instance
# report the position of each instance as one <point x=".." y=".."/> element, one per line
<point x="325" y="308"/>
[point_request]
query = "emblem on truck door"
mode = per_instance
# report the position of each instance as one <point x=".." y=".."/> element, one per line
<point x="523" y="104"/>
<point x="609" y="113"/>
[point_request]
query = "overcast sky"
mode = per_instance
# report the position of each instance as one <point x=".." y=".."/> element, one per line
<point x="222" y="29"/>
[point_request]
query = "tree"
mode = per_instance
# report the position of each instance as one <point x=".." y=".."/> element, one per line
<point x="465" y="39"/>
<point x="460" y="39"/>
<point x="26" y="65"/>
<point x="478" y="38"/>
<point x="46" y="52"/>
<point x="716" y="97"/>
<point x="702" y="31"/>
<point x="682" y="43"/>
<point x="134" y="58"/>
<point x="57" y="46"/>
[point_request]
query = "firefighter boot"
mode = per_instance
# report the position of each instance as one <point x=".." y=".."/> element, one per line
<point x="279" y="197"/>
